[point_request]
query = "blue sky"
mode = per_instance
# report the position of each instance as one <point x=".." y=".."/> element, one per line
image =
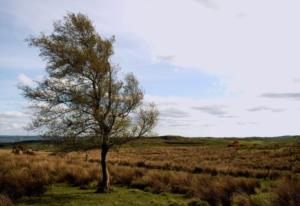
<point x="213" y="68"/>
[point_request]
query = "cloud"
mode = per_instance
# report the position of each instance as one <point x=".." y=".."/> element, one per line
<point x="217" y="110"/>
<point x="241" y="15"/>
<point x="296" y="80"/>
<point x="173" y="113"/>
<point x="282" y="95"/>
<point x="237" y="51"/>
<point x="247" y="123"/>
<point x="207" y="117"/>
<point x="25" y="80"/>
<point x="207" y="125"/>
<point x="264" y="108"/>
<point x="179" y="124"/>
<point x="249" y="58"/>
<point x="13" y="122"/>
<point x="12" y="114"/>
<point x="208" y="4"/>
<point x="169" y="58"/>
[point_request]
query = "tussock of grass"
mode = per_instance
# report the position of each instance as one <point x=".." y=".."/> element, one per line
<point x="287" y="193"/>
<point x="5" y="201"/>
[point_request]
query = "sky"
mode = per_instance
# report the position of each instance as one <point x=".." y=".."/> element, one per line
<point x="214" y="68"/>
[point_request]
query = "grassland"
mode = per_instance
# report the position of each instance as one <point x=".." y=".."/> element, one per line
<point x="159" y="171"/>
<point x="63" y="195"/>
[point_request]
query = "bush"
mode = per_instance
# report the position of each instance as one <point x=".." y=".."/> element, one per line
<point x="125" y="176"/>
<point x="79" y="175"/>
<point x="197" y="203"/>
<point x="5" y="201"/>
<point x="23" y="175"/>
<point x="241" y="200"/>
<point x="19" y="182"/>
<point x="287" y="194"/>
<point x="206" y="189"/>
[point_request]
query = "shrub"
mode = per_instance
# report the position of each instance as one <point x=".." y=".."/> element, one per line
<point x="157" y="182"/>
<point x="197" y="203"/>
<point x="220" y="190"/>
<point x="125" y="176"/>
<point x="287" y="194"/>
<point x="19" y="182"/>
<point x="241" y="199"/>
<point x="206" y="189"/>
<point x="77" y="176"/>
<point x="198" y="170"/>
<point x="247" y="185"/>
<point x="5" y="200"/>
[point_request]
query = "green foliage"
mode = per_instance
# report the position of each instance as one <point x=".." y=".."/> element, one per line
<point x="83" y="95"/>
<point x="61" y="195"/>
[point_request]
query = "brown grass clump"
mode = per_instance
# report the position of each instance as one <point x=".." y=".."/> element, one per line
<point x="18" y="181"/>
<point x="155" y="182"/>
<point x="164" y="181"/>
<point x="287" y="194"/>
<point x="30" y="175"/>
<point x="197" y="203"/>
<point x="78" y="175"/>
<point x="242" y="200"/>
<point x="125" y="176"/>
<point x="220" y="190"/>
<point x="5" y="201"/>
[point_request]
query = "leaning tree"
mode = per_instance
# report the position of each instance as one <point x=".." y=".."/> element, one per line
<point x="83" y="95"/>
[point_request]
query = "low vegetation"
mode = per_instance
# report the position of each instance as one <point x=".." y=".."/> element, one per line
<point x="62" y="195"/>
<point x="208" y="174"/>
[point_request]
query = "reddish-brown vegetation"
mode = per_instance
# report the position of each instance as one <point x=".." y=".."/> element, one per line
<point x="287" y="193"/>
<point x="212" y="175"/>
<point x="5" y="201"/>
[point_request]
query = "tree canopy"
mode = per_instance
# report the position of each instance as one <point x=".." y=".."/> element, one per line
<point x="83" y="94"/>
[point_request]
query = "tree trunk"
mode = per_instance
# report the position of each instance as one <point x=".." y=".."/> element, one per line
<point x="104" y="184"/>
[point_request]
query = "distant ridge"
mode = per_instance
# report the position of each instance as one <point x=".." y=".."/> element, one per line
<point x="18" y="138"/>
<point x="24" y="138"/>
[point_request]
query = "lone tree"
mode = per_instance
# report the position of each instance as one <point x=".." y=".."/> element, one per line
<point x="82" y="95"/>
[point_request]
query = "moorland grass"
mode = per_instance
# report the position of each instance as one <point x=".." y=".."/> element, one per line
<point x="259" y="174"/>
<point x="63" y="195"/>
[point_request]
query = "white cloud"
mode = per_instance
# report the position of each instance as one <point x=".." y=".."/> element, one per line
<point x="25" y="80"/>
<point x="206" y="118"/>
<point x="252" y="46"/>
<point x="257" y="53"/>
<point x="254" y="54"/>
<point x="12" y="114"/>
<point x="13" y="122"/>
<point x="264" y="108"/>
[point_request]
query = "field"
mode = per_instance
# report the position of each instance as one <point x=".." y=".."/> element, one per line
<point x="158" y="171"/>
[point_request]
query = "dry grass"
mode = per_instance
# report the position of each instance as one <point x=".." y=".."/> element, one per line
<point x="287" y="193"/>
<point x="30" y="175"/>
<point x="271" y="163"/>
<point x="5" y="201"/>
<point x="216" y="175"/>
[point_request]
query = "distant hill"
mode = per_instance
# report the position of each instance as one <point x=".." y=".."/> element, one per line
<point x="14" y="138"/>
<point x="168" y="138"/>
